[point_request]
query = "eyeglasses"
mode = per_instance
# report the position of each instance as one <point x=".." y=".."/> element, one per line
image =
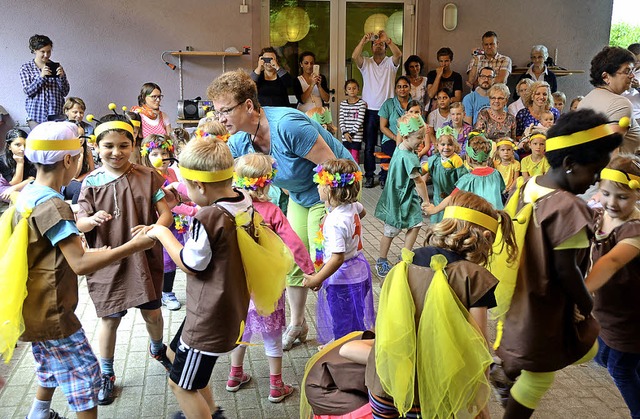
<point x="156" y="97"/>
<point x="497" y="98"/>
<point x="226" y="112"/>
<point x="627" y="72"/>
<point x="485" y="76"/>
<point x="537" y="57"/>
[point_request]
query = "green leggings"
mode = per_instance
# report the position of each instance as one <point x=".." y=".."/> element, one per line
<point x="531" y="386"/>
<point x="306" y="223"/>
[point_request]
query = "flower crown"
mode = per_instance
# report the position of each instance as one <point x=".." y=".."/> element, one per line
<point x="412" y="125"/>
<point x="335" y="180"/>
<point x="200" y="133"/>
<point x="147" y="148"/>
<point x="254" y="183"/>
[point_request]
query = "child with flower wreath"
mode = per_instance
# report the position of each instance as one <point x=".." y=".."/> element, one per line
<point x="156" y="151"/>
<point x="399" y="206"/>
<point x="254" y="173"/>
<point x="345" y="297"/>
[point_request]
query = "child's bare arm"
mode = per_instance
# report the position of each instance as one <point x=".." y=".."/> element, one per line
<point x="333" y="264"/>
<point x="86" y="224"/>
<point x="609" y="264"/>
<point x="84" y="263"/>
<point x="170" y="243"/>
<point x="421" y="187"/>
<point x="165" y="217"/>
<point x="436" y="209"/>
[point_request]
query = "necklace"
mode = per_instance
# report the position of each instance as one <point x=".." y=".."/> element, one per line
<point x="255" y="134"/>
<point x="496" y="116"/>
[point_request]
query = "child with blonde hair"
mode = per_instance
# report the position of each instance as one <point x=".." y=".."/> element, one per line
<point x="254" y="173"/>
<point x="483" y="180"/>
<point x="615" y="254"/>
<point x="536" y="163"/>
<point x="505" y="162"/>
<point x="457" y="122"/>
<point x="399" y="205"/>
<point x="445" y="167"/>
<point x="345" y="295"/>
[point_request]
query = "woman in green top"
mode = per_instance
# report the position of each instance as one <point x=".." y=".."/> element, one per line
<point x="392" y="109"/>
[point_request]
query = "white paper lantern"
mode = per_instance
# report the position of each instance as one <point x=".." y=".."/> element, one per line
<point x="375" y="23"/>
<point x="394" y="27"/>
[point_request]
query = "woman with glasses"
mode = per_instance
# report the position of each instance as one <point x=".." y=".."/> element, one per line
<point x="298" y="144"/>
<point x="538" y="70"/>
<point x="611" y="75"/>
<point x="154" y="121"/>
<point x="537" y="101"/>
<point x="495" y="121"/>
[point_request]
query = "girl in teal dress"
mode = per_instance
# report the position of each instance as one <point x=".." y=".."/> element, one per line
<point x="483" y="180"/>
<point x="445" y="167"/>
<point x="399" y="206"/>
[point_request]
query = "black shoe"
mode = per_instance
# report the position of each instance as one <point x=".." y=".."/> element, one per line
<point x="105" y="395"/>
<point x="368" y="182"/>
<point x="217" y="415"/>
<point x="501" y="383"/>
<point x="161" y="357"/>
<point x="382" y="182"/>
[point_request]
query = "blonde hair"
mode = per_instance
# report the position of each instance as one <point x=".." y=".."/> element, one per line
<point x="496" y="154"/>
<point x="71" y="102"/>
<point x="452" y="141"/>
<point x="627" y="163"/>
<point x="214" y="127"/>
<point x="347" y="194"/>
<point x="469" y="239"/>
<point x="255" y="165"/>
<point x="528" y="97"/>
<point x="405" y="119"/>
<point x="207" y="154"/>
<point x="158" y="140"/>
<point x="237" y="84"/>
<point x="456" y="105"/>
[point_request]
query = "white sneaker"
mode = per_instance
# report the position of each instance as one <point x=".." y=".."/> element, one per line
<point x="169" y="299"/>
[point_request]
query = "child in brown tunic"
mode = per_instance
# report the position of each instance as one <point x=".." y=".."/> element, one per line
<point x="55" y="257"/>
<point x="217" y="294"/>
<point x="116" y="199"/>
<point x="615" y="252"/>
<point x="540" y="333"/>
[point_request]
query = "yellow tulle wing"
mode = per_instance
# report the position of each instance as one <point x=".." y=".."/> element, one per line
<point x="266" y="263"/>
<point x="507" y="273"/>
<point x="13" y="281"/>
<point x="452" y="353"/>
<point x="396" y="336"/>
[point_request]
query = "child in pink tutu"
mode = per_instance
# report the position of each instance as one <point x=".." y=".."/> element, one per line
<point x="345" y="299"/>
<point x="254" y="173"/>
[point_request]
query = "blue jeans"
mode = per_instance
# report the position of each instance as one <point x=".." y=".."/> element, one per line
<point x="371" y="133"/>
<point x="624" y="368"/>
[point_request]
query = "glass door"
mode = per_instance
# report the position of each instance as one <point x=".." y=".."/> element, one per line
<point x="331" y="29"/>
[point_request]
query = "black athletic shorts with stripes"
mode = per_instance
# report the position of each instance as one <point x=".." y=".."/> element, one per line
<point x="191" y="368"/>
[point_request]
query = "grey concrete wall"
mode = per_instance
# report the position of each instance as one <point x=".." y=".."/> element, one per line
<point x="109" y="48"/>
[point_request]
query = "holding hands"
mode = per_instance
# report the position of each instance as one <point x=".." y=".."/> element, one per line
<point x="99" y="218"/>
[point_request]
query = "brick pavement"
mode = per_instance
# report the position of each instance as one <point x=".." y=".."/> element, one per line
<point x="141" y="387"/>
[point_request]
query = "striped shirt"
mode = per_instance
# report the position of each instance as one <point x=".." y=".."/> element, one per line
<point x="45" y="95"/>
<point x="351" y="119"/>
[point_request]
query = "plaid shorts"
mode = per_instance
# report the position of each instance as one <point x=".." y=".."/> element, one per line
<point x="69" y="363"/>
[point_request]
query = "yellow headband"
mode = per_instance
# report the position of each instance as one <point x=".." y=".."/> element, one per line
<point x="533" y="137"/>
<point x="580" y="137"/>
<point x="505" y="142"/>
<point x="54" y="145"/>
<point x="472" y="216"/>
<point x="205" y="176"/>
<point x="135" y="123"/>
<point x="105" y="126"/>
<point x="619" y="176"/>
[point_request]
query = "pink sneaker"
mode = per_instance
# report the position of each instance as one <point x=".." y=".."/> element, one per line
<point x="278" y="393"/>
<point x="234" y="383"/>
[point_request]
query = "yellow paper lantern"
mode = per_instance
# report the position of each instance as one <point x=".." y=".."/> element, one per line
<point x="293" y="23"/>
<point x="394" y="27"/>
<point x="375" y="23"/>
<point x="277" y="39"/>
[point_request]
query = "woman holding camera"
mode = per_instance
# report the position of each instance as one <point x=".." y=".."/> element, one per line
<point x="310" y="87"/>
<point x="44" y="82"/>
<point x="271" y="79"/>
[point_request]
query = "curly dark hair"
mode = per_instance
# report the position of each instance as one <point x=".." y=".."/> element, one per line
<point x="609" y="60"/>
<point x="39" y="41"/>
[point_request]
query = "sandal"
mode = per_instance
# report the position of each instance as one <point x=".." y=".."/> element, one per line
<point x="278" y="393"/>
<point x="234" y="382"/>
<point x="294" y="332"/>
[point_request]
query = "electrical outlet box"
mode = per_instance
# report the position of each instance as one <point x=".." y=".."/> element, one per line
<point x="244" y="8"/>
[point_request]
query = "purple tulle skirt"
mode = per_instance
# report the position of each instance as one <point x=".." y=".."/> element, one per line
<point x="169" y="264"/>
<point x="345" y="301"/>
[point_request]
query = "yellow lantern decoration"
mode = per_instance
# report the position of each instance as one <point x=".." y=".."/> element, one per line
<point x="375" y="23"/>
<point x="293" y="23"/>
<point x="394" y="27"/>
<point x="277" y="39"/>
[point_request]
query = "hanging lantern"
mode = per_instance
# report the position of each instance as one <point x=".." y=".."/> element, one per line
<point x="375" y="23"/>
<point x="277" y="39"/>
<point x="293" y="23"/>
<point x="394" y="27"/>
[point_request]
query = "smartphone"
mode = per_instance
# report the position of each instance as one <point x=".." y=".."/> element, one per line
<point x="316" y="69"/>
<point x="266" y="59"/>
<point x="53" y="66"/>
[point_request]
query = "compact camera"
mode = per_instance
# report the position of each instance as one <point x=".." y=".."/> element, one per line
<point x="266" y="59"/>
<point x="375" y="37"/>
<point x="478" y="51"/>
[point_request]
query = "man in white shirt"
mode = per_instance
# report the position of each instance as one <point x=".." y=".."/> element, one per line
<point x="378" y="76"/>
<point x="490" y="57"/>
